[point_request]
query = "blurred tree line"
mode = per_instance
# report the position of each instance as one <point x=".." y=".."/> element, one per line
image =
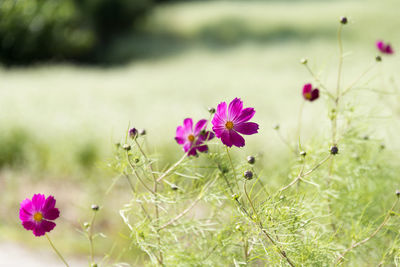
<point x="75" y="30"/>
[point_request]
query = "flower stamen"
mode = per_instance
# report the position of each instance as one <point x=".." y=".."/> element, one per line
<point x="38" y="216"/>
<point x="229" y="125"/>
<point x="191" y="138"/>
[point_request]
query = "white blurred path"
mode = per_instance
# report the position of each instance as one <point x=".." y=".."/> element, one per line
<point x="15" y="255"/>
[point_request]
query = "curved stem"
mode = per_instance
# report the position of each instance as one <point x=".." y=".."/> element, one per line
<point x="57" y="252"/>
<point x="172" y="168"/>
<point x="387" y="217"/>
<point x="259" y="223"/>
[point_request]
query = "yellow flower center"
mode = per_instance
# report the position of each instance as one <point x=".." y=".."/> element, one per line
<point x="191" y="138"/>
<point x="229" y="125"/>
<point x="38" y="216"/>
<point x="307" y="95"/>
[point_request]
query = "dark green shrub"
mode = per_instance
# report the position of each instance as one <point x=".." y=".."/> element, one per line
<point x="36" y="30"/>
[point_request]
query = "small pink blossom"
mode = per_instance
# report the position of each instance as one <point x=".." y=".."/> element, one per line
<point x="230" y="122"/>
<point x="309" y="93"/>
<point x="384" y="48"/>
<point x="37" y="214"/>
<point x="192" y="140"/>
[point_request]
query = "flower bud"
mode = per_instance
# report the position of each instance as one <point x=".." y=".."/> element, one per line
<point x="378" y="58"/>
<point x="174" y="187"/>
<point x="235" y="196"/>
<point x="126" y="147"/>
<point x="95" y="207"/>
<point x="133" y="133"/>
<point x="142" y="131"/>
<point x="334" y="150"/>
<point x="86" y="225"/>
<point x="303" y="153"/>
<point x="398" y="193"/>
<point x="343" y="20"/>
<point x="304" y="61"/>
<point x="94" y="265"/>
<point x="251" y="159"/>
<point x="276" y="126"/>
<point x="248" y="175"/>
<point x="211" y="110"/>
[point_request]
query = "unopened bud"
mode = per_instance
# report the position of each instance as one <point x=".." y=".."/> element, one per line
<point x="343" y="20"/>
<point x="334" y="150"/>
<point x="248" y="175"/>
<point x="126" y="147"/>
<point x="142" y="131"/>
<point x="133" y="133"/>
<point x="251" y="159"/>
<point x="303" y="153"/>
<point x="398" y="193"/>
<point x="304" y="61"/>
<point x="211" y="110"/>
<point x="276" y="126"/>
<point x="95" y="207"/>
<point x="174" y="187"/>
<point x="378" y="58"/>
<point x="235" y="196"/>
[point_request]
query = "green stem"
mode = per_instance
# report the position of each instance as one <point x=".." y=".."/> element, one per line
<point x="233" y="168"/>
<point x="90" y="236"/>
<point x="58" y="253"/>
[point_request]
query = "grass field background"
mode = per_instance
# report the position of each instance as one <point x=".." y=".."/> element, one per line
<point x="191" y="56"/>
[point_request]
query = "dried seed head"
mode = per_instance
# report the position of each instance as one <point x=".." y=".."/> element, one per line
<point x="248" y="175"/>
<point x="251" y="159"/>
<point x="334" y="150"/>
<point x="126" y="147"/>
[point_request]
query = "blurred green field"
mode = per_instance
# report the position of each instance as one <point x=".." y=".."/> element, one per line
<point x="189" y="57"/>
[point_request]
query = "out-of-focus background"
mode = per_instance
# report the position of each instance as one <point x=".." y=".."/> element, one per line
<point x="76" y="73"/>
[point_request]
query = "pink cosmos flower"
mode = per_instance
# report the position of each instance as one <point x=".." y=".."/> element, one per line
<point x="191" y="139"/>
<point x="230" y="122"/>
<point x="37" y="214"/>
<point x="309" y="93"/>
<point x="385" y="48"/>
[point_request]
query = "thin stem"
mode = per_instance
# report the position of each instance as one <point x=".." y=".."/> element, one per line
<point x="180" y="215"/>
<point x="321" y="85"/>
<point x="149" y="164"/>
<point x="345" y="91"/>
<point x="233" y="168"/>
<point x="387" y="217"/>
<point x="54" y="248"/>
<point x="337" y="97"/>
<point x="134" y="192"/>
<point x="299" y="125"/>
<point x="172" y="167"/>
<point x="136" y="174"/>
<point x="90" y="237"/>
<point x="302" y="174"/>
<point x="281" y="252"/>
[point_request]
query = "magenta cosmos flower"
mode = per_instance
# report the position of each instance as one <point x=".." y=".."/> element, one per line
<point x="192" y="140"/>
<point x="385" y="48"/>
<point x="37" y="214"/>
<point x="230" y="122"/>
<point x="309" y="93"/>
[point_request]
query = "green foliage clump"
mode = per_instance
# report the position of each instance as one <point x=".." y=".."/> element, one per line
<point x="35" y="30"/>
